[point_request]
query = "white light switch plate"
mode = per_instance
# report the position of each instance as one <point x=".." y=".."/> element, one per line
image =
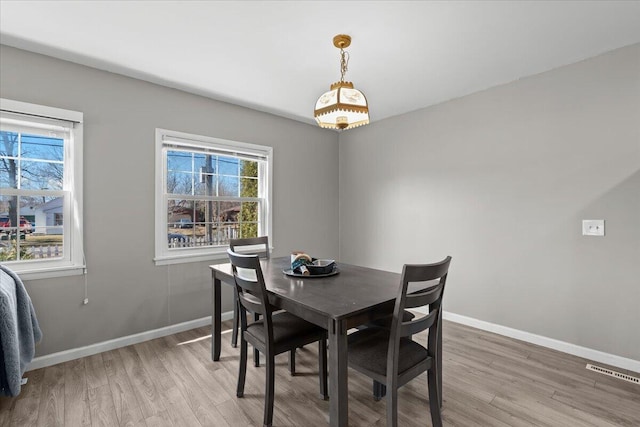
<point x="593" y="227"/>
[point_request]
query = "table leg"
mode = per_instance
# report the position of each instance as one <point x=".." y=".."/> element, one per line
<point x="215" y="319"/>
<point x="338" y="381"/>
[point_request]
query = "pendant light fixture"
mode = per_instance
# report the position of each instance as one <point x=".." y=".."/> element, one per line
<point x="343" y="107"/>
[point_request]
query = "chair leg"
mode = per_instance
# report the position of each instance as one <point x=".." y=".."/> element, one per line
<point x="292" y="362"/>
<point x="269" y="395"/>
<point x="256" y="358"/>
<point x="242" y="373"/>
<point x="392" y="407"/>
<point x="434" y="398"/>
<point x="236" y="321"/>
<point x="379" y="390"/>
<point x="322" y="363"/>
<point x="256" y="353"/>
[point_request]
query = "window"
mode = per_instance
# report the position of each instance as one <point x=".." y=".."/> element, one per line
<point x="40" y="189"/>
<point x="208" y="191"/>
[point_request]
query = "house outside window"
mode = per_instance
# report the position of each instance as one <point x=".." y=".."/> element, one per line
<point x="40" y="179"/>
<point x="208" y="191"/>
<point x="57" y="218"/>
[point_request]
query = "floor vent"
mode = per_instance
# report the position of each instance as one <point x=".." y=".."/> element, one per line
<point x="614" y="374"/>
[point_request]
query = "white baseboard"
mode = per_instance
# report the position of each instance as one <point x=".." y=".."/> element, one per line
<point x="76" y="353"/>
<point x="565" y="347"/>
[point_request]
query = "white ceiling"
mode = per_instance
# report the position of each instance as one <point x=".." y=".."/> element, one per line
<point x="279" y="57"/>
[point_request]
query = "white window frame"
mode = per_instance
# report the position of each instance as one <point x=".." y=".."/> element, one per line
<point x="164" y="255"/>
<point x="72" y="262"/>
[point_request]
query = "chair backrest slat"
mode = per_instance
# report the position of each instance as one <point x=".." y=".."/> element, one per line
<point x="249" y="302"/>
<point x="420" y="299"/>
<point x="254" y="245"/>
<point x="249" y="289"/>
<point x="425" y="272"/>
<point x="415" y="326"/>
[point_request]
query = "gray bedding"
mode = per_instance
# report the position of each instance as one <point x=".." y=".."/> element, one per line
<point x="19" y="331"/>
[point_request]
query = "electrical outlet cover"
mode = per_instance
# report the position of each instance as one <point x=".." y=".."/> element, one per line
<point x="593" y="227"/>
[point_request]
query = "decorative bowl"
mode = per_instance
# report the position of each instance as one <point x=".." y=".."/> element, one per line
<point x="321" y="266"/>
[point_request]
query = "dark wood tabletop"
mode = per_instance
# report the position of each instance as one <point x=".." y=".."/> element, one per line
<point x="354" y="290"/>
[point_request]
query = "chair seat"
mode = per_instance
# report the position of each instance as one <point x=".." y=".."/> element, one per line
<point x="286" y="328"/>
<point x="368" y="347"/>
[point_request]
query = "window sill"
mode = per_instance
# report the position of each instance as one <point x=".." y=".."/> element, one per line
<point x="185" y="258"/>
<point x="46" y="273"/>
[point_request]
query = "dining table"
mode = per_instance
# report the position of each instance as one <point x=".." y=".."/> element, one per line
<point x="350" y="297"/>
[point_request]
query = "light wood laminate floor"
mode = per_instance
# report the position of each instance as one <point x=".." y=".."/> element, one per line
<point x="489" y="380"/>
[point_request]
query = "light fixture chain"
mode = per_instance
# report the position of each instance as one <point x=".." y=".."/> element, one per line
<point x="344" y="62"/>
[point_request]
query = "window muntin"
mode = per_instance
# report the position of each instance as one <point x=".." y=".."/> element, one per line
<point x="209" y="191"/>
<point x="40" y="186"/>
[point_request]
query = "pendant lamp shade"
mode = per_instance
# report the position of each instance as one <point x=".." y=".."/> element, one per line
<point x="343" y="107"/>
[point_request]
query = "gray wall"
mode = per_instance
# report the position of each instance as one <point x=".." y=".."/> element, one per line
<point x="501" y="181"/>
<point x="128" y="294"/>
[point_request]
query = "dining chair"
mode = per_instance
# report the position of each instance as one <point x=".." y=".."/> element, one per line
<point x="390" y="356"/>
<point x="273" y="333"/>
<point x="259" y="246"/>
